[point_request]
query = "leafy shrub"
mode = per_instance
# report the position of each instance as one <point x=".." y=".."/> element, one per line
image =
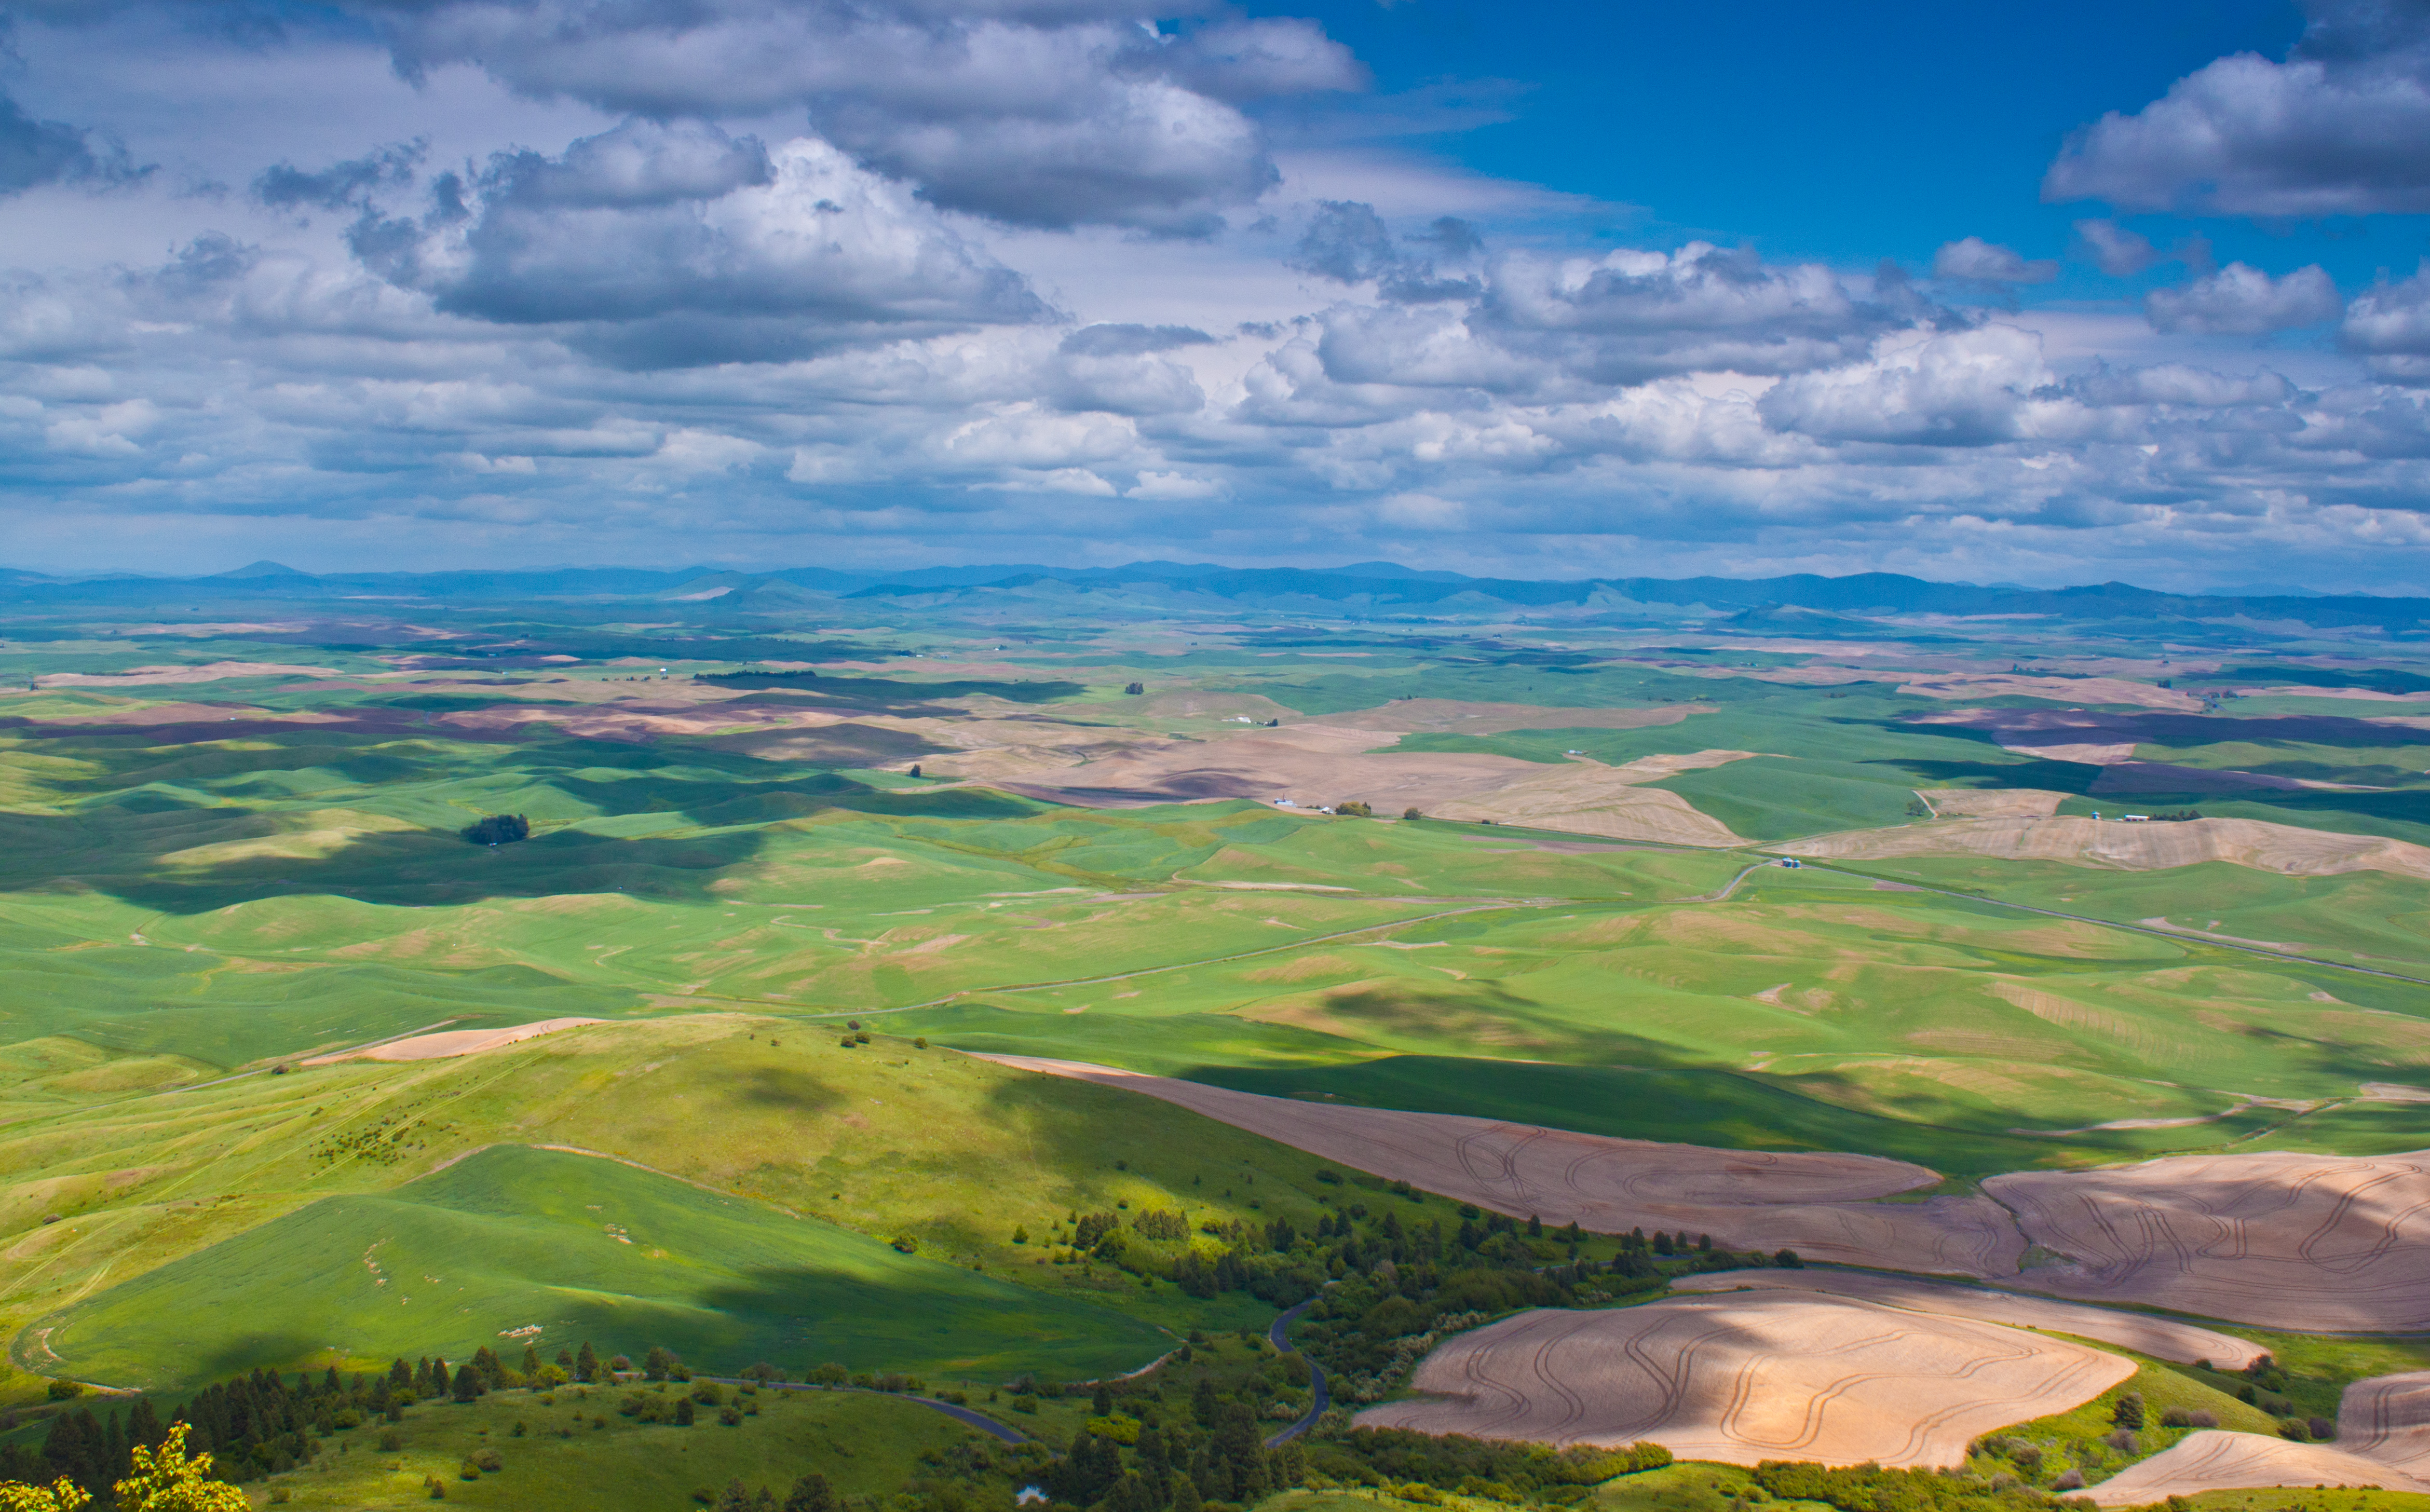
<point x="498" y="829"/>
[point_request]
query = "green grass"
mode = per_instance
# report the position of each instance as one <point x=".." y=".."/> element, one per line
<point x="880" y="1140"/>
<point x="865" y="1445"/>
<point x="583" y="1248"/>
<point x="2074" y="1439"/>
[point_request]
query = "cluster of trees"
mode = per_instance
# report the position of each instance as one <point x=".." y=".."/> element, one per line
<point x="262" y="1424"/>
<point x="1476" y="1467"/>
<point x="1872" y="1488"/>
<point x="498" y="829"/>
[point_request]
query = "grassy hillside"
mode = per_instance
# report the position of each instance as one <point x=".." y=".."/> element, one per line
<point x="513" y="1239"/>
<point x="883" y="1139"/>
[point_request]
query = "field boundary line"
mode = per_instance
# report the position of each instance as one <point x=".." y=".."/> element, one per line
<point x="219" y="1081"/>
<point x="1211" y="960"/>
<point x="2180" y="937"/>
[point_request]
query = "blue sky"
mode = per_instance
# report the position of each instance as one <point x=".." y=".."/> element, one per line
<point x="2049" y="295"/>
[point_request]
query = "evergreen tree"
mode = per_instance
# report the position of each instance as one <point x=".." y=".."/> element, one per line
<point x="1185" y="1495"/>
<point x="400" y="1375"/>
<point x="1103" y="1403"/>
<point x="683" y="1412"/>
<point x="531" y="1363"/>
<point x="586" y="1365"/>
<point x="467" y="1383"/>
<point x="811" y="1493"/>
<point x="734" y="1498"/>
<point x="144" y="1424"/>
<point x="655" y="1365"/>
<point x="1535" y="1227"/>
<point x="1203" y="1402"/>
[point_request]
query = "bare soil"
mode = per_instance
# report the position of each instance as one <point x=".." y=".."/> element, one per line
<point x="1751" y="1378"/>
<point x="2315" y="1243"/>
<point x="2165" y="1337"/>
<point x="2216" y="1460"/>
<point x="452" y="1042"/>
<point x="2130" y="847"/>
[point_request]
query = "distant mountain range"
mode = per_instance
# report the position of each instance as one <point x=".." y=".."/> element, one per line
<point x="1379" y="590"/>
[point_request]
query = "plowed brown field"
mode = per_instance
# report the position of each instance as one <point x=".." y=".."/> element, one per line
<point x="2388" y="1418"/>
<point x="1817" y="1205"/>
<point x="452" y="1043"/>
<point x="2141" y="1332"/>
<point x="2214" y="1460"/>
<point x="1742" y="1379"/>
<point x="2319" y="1243"/>
<point x="2263" y="846"/>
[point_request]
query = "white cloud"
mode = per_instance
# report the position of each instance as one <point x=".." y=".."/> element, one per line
<point x="2336" y="129"/>
<point x="2390" y="322"/>
<point x="1163" y="487"/>
<point x="2239" y="300"/>
<point x="1982" y="262"/>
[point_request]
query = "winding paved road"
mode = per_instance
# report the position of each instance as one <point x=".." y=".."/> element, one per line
<point x="1319" y="1398"/>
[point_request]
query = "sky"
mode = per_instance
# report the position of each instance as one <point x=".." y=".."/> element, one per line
<point x="2054" y="295"/>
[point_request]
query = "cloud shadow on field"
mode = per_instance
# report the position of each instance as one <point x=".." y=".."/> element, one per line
<point x="792" y="1090"/>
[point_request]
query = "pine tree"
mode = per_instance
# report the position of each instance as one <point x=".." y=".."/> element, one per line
<point x="467" y="1383"/>
<point x="586" y="1365"/>
<point x="683" y="1412"/>
<point x="1103" y="1403"/>
<point x="1185" y="1495"/>
<point x="144" y="1424"/>
<point x="655" y="1364"/>
<point x="734" y="1498"/>
<point x="531" y="1363"/>
<point x="400" y="1375"/>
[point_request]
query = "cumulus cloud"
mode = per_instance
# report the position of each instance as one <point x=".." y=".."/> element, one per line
<point x="677" y="245"/>
<point x="2390" y="325"/>
<point x="1630" y="316"/>
<point x="1348" y="242"/>
<point x="33" y="153"/>
<point x="1047" y="114"/>
<point x="2334" y="129"/>
<point x="1966" y="388"/>
<point x="2242" y="300"/>
<point x="341" y="185"/>
<point x="1979" y="261"/>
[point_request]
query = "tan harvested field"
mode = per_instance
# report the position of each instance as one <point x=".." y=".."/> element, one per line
<point x="2083" y="754"/>
<point x="2316" y="1243"/>
<point x="1588" y="798"/>
<point x="2386" y="1418"/>
<point x="207" y="673"/>
<point x="2145" y="847"/>
<point x="1315" y="763"/>
<point x="2217" y="1460"/>
<point x="2054" y="689"/>
<point x="452" y="1043"/>
<point x="1751" y="1378"/>
<point x="1993" y="803"/>
<point x="1452" y="716"/>
<point x="1818" y="1205"/>
<point x="2164" y="1338"/>
<point x="1309" y="764"/>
